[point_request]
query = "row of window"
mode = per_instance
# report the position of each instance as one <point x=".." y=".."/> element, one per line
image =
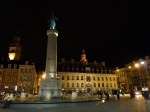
<point x="8" y="79"/>
<point x="86" y="70"/>
<point x="88" y="78"/>
<point x="10" y="66"/>
<point x="9" y="86"/>
<point x="13" y="73"/>
<point x="25" y="77"/>
<point x="94" y="84"/>
<point x="15" y="65"/>
<point x="26" y="70"/>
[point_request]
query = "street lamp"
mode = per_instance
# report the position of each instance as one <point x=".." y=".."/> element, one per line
<point x="142" y="62"/>
<point x="136" y="65"/>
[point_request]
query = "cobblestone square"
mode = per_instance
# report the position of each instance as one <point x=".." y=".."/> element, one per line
<point x="125" y="104"/>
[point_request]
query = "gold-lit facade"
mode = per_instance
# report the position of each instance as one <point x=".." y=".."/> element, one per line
<point x="27" y="78"/>
<point x="17" y="74"/>
<point x="86" y="82"/>
<point x="135" y="75"/>
<point x="84" y="76"/>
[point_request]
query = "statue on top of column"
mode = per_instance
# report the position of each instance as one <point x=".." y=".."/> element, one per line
<point x="52" y="22"/>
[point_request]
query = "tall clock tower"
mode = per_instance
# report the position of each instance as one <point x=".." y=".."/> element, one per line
<point x="15" y="49"/>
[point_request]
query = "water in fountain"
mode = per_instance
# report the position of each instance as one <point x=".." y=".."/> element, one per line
<point x="23" y="95"/>
<point x="74" y="96"/>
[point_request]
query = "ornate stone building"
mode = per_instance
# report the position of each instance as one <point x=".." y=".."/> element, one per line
<point x="17" y="74"/>
<point x="135" y="75"/>
<point x="84" y="76"/>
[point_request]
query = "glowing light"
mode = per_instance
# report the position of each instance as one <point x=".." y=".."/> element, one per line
<point x="136" y="65"/>
<point x="56" y="33"/>
<point x="103" y="100"/>
<point x="44" y="75"/>
<point x="117" y="70"/>
<point x="129" y="67"/>
<point x="142" y="62"/>
<point x="12" y="56"/>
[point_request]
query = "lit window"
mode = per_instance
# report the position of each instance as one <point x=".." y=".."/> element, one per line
<point x="77" y="77"/>
<point x="25" y="70"/>
<point x="81" y="77"/>
<point x="29" y="77"/>
<point x="77" y="84"/>
<point x="72" y="84"/>
<point x="102" y="84"/>
<point x="82" y="85"/>
<point x="106" y="84"/>
<point x="110" y="84"/>
<point x="26" y="62"/>
<point x="63" y="84"/>
<point x="67" y="77"/>
<point x="114" y="84"/>
<point x="114" y="79"/>
<point x="15" y="65"/>
<point x="7" y="79"/>
<point x="21" y="69"/>
<point x="29" y="70"/>
<point x="110" y="78"/>
<point x="9" y="65"/>
<point x="1" y="72"/>
<point x="68" y="84"/>
<point x="98" y="84"/>
<point x="72" y="77"/>
<point x="102" y="78"/>
<point x="62" y="77"/>
<point x="6" y="87"/>
<point x="106" y="79"/>
<point x="94" y="84"/>
<point x="93" y="77"/>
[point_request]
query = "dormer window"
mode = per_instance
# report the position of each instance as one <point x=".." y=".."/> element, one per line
<point x="1" y="66"/>
<point x="26" y="62"/>
<point x="15" y="65"/>
<point x="9" y="65"/>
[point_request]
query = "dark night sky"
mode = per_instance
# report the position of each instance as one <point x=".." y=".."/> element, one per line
<point x="116" y="32"/>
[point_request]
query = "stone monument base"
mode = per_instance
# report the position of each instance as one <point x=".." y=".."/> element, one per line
<point x="49" y="89"/>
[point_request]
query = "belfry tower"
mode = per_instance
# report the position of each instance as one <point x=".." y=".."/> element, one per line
<point x="83" y="60"/>
<point x="50" y="86"/>
<point x="15" y="49"/>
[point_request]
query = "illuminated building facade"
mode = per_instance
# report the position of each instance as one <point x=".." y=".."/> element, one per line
<point x="84" y="76"/>
<point x="17" y="74"/>
<point x="135" y="75"/>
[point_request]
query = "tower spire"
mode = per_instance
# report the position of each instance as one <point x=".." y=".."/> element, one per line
<point x="83" y="60"/>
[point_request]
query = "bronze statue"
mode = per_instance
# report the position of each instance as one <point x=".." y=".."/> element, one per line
<point x="52" y="22"/>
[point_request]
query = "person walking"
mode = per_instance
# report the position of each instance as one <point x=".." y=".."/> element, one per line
<point x="107" y="96"/>
<point x="8" y="99"/>
<point x="101" y="94"/>
<point x="118" y="95"/>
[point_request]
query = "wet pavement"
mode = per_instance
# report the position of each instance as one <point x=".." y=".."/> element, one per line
<point x="125" y="104"/>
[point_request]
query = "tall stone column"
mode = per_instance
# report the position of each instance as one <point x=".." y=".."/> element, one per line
<point x="50" y="86"/>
